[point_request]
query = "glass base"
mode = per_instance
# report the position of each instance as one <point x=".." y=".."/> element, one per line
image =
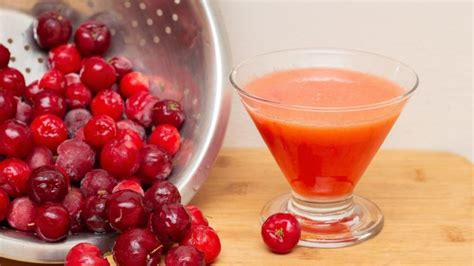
<point x="330" y="224"/>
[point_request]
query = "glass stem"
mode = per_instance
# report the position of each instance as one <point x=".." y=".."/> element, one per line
<point x="323" y="211"/>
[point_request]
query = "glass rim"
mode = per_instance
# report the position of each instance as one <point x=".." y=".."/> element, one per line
<point x="394" y="100"/>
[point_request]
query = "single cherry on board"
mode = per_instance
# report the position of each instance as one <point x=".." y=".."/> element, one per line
<point x="281" y="232"/>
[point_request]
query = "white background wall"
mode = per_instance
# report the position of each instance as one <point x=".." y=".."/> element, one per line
<point x="434" y="38"/>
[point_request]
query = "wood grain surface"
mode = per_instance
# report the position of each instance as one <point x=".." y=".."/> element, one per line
<point x="427" y="198"/>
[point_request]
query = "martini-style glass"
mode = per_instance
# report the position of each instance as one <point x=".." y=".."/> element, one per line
<point x="324" y="113"/>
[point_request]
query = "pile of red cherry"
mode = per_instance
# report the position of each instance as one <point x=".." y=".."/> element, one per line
<point x="87" y="147"/>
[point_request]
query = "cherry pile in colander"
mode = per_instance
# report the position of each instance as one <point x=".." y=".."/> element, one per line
<point x="88" y="148"/>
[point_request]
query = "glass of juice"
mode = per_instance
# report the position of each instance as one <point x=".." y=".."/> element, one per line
<point x="324" y="113"/>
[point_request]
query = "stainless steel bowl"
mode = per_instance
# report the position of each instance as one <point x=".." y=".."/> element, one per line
<point x="179" y="41"/>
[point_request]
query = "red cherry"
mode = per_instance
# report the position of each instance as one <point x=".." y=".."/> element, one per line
<point x="97" y="74"/>
<point x="48" y="102"/>
<point x="46" y="184"/>
<point x="53" y="80"/>
<point x="122" y="66"/>
<point x="166" y="137"/>
<point x="168" y="112"/>
<point x="32" y="90"/>
<point x="97" y="182"/>
<point x="171" y="223"/>
<point x="133" y="83"/>
<point x="94" y="214"/>
<point x="4" y="204"/>
<point x="121" y="158"/>
<point x="100" y="130"/>
<point x="52" y="222"/>
<point x="137" y="247"/>
<point x="49" y="131"/>
<point x="21" y="214"/>
<point x="51" y="29"/>
<point x="78" y="96"/>
<point x="8" y="106"/>
<point x="130" y="135"/>
<point x="14" y="175"/>
<point x="92" y="38"/>
<point x="156" y="164"/>
<point x="185" y="255"/>
<point x="160" y="194"/>
<point x="125" y="210"/>
<point x="4" y="56"/>
<point x="65" y="58"/>
<point x="76" y="119"/>
<point x="206" y="240"/>
<point x="16" y="139"/>
<point x="75" y="159"/>
<point x="12" y="80"/>
<point x="129" y="124"/>
<point x="80" y="134"/>
<point x="85" y="254"/>
<point x="108" y="102"/>
<point x="39" y="156"/>
<point x="72" y="78"/>
<point x="197" y="217"/>
<point x="281" y="232"/>
<point x="24" y="111"/>
<point x="74" y="203"/>
<point x="139" y="107"/>
<point x="129" y="184"/>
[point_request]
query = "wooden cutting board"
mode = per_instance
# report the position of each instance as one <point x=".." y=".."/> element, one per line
<point x="427" y="198"/>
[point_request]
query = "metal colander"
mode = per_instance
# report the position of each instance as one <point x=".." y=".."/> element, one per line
<point x="179" y="43"/>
